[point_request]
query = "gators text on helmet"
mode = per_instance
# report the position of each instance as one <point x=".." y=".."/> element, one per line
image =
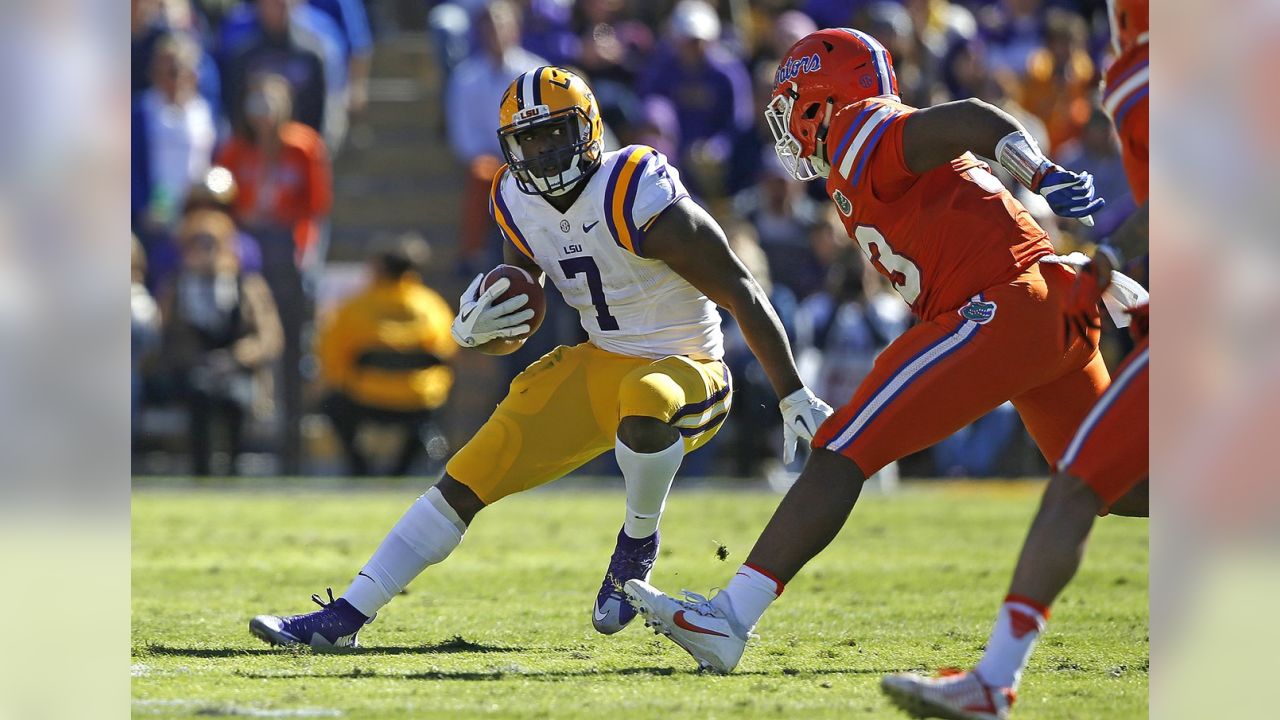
<point x="821" y="73"/>
<point x="557" y="101"/>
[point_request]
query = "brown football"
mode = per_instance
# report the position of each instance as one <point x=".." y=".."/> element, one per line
<point x="521" y="284"/>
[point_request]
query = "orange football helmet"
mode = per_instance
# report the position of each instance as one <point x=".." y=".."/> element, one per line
<point x="824" y="71"/>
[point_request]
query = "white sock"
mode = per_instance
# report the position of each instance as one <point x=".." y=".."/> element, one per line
<point x="427" y="532"/>
<point x="1018" y="626"/>
<point x="749" y="594"/>
<point x="648" y="477"/>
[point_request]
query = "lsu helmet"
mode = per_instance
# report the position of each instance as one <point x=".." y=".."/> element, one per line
<point x="552" y="98"/>
<point x="1130" y="23"/>
<point x="822" y="72"/>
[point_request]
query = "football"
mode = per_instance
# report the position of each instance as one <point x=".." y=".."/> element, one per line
<point x="521" y="283"/>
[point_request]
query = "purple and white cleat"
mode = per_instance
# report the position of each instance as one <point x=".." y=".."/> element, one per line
<point x="333" y="627"/>
<point x="632" y="560"/>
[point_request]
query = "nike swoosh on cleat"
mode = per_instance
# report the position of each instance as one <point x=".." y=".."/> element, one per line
<point x="587" y="228"/>
<point x="679" y="620"/>
<point x="598" y="615"/>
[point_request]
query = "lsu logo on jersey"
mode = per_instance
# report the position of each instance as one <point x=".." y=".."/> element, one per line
<point x="795" y="66"/>
<point x="979" y="311"/>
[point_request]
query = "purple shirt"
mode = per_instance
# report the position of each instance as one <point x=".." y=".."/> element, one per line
<point x="713" y="101"/>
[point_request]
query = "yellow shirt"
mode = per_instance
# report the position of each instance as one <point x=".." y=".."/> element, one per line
<point x="372" y="347"/>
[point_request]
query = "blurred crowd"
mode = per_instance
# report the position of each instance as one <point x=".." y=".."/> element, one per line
<point x="240" y="106"/>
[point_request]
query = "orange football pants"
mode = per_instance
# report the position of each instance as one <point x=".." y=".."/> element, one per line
<point x="1109" y="451"/>
<point x="1008" y="343"/>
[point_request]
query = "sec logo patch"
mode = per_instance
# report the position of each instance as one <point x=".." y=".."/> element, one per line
<point x="842" y="202"/>
<point x="564" y="226"/>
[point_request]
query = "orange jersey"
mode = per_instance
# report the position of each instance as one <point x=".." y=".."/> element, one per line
<point x="941" y="237"/>
<point x="295" y="190"/>
<point x="1125" y="100"/>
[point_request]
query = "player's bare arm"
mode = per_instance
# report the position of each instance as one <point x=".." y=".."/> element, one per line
<point x="690" y="242"/>
<point x="937" y="135"/>
<point x="512" y="256"/>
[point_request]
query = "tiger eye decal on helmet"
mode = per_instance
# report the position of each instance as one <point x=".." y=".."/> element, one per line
<point x="555" y="107"/>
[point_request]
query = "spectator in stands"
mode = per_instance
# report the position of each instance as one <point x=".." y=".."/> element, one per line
<point x="914" y="60"/>
<point x="285" y="191"/>
<point x="221" y="333"/>
<point x="471" y="106"/>
<point x="547" y="31"/>
<point x="382" y="357"/>
<point x="1014" y="30"/>
<point x="1061" y="78"/>
<point x="782" y="214"/>
<point x="156" y="19"/>
<point x="144" y="328"/>
<point x="833" y="13"/>
<point x="280" y="166"/>
<point x="1098" y="151"/>
<point x="353" y="20"/>
<point x="173" y="138"/>
<point x="314" y="28"/>
<point x="279" y="46"/>
<point x="711" y="91"/>
<point x="217" y="191"/>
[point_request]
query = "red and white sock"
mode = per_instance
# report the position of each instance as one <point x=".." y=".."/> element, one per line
<point x="1018" y="626"/>
<point x="749" y="594"/>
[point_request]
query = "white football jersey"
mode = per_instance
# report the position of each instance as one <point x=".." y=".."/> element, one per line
<point x="594" y="253"/>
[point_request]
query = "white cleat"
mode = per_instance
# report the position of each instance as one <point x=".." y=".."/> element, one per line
<point x="953" y="695"/>
<point x="702" y="627"/>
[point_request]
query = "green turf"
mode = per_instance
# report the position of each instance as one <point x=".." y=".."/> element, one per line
<point x="502" y="629"/>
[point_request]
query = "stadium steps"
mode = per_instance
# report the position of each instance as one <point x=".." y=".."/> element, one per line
<point x="396" y="175"/>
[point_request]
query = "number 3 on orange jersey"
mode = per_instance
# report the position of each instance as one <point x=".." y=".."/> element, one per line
<point x="903" y="273"/>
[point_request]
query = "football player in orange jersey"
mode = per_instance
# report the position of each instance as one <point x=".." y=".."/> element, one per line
<point x="969" y="259"/>
<point x="1106" y="459"/>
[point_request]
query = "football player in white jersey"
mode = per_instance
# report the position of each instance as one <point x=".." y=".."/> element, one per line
<point x="645" y="267"/>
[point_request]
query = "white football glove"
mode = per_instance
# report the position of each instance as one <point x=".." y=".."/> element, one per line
<point x="479" y="321"/>
<point x="802" y="413"/>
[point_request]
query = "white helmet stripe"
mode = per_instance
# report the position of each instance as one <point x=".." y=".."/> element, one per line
<point x="879" y="56"/>
<point x="526" y="89"/>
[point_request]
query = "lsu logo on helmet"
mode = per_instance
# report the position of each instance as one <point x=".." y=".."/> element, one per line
<point x="555" y="102"/>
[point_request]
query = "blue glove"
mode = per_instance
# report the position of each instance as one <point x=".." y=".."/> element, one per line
<point x="1070" y="194"/>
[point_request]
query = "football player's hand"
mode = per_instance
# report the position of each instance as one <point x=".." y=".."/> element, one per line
<point x="1069" y="194"/>
<point x="1092" y="279"/>
<point x="479" y="320"/>
<point x="802" y="413"/>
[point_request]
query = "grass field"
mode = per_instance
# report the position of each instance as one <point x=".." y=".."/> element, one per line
<point x="502" y="629"/>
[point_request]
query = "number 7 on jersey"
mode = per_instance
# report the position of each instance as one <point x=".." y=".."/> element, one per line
<point x="584" y="264"/>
